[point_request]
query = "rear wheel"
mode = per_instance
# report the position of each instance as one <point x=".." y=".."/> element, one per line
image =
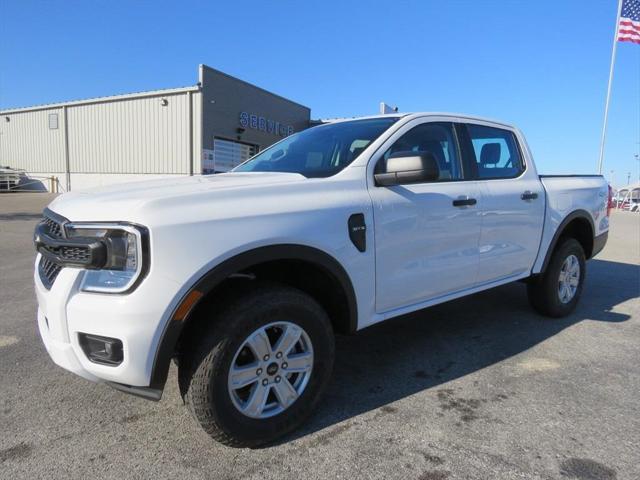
<point x="556" y="292"/>
<point x="257" y="370"/>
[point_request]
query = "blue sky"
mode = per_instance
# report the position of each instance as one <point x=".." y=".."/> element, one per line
<point x="542" y="65"/>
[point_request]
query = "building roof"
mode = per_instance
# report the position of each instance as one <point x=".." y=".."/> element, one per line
<point x="110" y="98"/>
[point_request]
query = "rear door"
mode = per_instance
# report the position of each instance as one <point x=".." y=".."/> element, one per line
<point x="513" y="201"/>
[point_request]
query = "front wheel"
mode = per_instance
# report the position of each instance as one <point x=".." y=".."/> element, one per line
<point x="556" y="292"/>
<point x="258" y="368"/>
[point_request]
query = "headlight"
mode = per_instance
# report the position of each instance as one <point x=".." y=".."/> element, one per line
<point x="125" y="256"/>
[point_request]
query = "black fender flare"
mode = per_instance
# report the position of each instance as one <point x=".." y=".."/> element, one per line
<point x="577" y="214"/>
<point x="176" y="323"/>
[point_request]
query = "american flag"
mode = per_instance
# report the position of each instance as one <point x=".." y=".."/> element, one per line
<point x="629" y="26"/>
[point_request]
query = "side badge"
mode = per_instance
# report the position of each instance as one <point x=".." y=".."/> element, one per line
<point x="358" y="231"/>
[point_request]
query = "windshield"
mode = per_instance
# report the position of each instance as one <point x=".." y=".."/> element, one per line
<point x="319" y="151"/>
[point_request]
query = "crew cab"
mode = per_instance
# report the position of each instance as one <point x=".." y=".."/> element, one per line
<point x="244" y="278"/>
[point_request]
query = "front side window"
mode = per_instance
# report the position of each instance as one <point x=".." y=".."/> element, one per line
<point x="436" y="138"/>
<point x="496" y="152"/>
<point x="321" y="151"/>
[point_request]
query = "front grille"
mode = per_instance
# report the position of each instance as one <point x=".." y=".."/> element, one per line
<point x="71" y="254"/>
<point x="55" y="229"/>
<point x="48" y="272"/>
<point x="47" y="269"/>
<point x="78" y="254"/>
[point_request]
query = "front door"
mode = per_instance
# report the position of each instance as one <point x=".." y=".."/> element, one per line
<point x="426" y="234"/>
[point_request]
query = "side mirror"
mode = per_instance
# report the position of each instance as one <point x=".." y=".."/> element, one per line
<point x="408" y="167"/>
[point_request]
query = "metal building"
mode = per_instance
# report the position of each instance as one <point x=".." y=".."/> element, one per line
<point x="210" y="127"/>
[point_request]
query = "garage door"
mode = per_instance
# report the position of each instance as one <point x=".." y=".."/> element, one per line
<point x="228" y="154"/>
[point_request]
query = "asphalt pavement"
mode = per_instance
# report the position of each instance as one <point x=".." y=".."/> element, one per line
<point x="479" y="388"/>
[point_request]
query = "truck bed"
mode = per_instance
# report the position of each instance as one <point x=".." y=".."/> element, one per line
<point x="564" y="195"/>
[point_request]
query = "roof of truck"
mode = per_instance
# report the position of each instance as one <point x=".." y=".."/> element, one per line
<point x="421" y="114"/>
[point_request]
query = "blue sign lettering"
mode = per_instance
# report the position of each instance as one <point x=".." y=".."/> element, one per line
<point x="263" y="124"/>
<point x="244" y="119"/>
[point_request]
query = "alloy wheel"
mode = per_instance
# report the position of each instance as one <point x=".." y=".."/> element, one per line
<point x="569" y="279"/>
<point x="270" y="370"/>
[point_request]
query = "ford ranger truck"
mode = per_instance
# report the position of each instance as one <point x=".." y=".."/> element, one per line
<point x="244" y="278"/>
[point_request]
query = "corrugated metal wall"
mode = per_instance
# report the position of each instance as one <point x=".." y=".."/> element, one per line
<point x="196" y="102"/>
<point x="132" y="135"/>
<point x="27" y="142"/>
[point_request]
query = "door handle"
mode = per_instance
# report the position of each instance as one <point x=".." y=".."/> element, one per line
<point x="528" y="195"/>
<point x="463" y="202"/>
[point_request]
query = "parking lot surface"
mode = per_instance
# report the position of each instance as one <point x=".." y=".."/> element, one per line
<point x="479" y="388"/>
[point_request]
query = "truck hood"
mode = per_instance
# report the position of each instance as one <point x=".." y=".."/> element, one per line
<point x="125" y="201"/>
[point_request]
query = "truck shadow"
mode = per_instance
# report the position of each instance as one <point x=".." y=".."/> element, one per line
<point x="425" y="349"/>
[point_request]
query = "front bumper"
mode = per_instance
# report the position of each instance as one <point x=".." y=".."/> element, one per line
<point x="60" y="352"/>
<point x="137" y="319"/>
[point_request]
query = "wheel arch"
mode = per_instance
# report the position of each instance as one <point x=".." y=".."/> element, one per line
<point x="578" y="225"/>
<point x="340" y="301"/>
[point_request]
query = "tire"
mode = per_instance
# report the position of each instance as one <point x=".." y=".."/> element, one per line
<point x="219" y="344"/>
<point x="545" y="292"/>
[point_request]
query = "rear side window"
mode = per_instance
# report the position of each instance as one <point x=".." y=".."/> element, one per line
<point x="496" y="152"/>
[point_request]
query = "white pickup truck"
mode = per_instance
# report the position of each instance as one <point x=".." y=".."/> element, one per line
<point x="244" y="277"/>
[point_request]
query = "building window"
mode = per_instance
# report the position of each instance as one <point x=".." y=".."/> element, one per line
<point x="53" y="121"/>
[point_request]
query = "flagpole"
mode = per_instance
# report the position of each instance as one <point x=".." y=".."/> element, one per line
<point x="606" y="105"/>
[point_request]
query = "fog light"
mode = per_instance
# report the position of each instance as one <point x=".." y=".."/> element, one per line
<point x="104" y="350"/>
